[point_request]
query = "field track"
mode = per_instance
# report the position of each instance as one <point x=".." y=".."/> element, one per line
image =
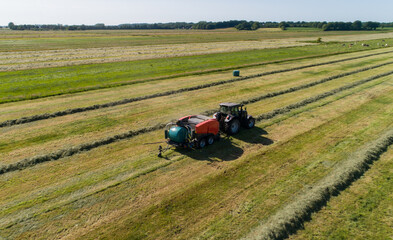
<point x="85" y="166"/>
<point x="172" y="92"/>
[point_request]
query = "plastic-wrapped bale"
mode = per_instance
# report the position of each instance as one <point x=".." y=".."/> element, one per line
<point x="236" y="73"/>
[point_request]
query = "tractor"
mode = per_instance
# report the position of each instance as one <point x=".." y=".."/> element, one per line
<point x="231" y="116"/>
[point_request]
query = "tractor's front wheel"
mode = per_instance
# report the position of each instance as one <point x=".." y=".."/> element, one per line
<point x="232" y="127"/>
<point x="250" y="122"/>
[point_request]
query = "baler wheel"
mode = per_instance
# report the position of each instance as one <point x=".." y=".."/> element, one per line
<point x="210" y="139"/>
<point x="202" y="143"/>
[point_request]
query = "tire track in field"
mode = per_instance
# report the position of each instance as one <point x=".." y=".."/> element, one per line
<point x="70" y="111"/>
<point x="29" y="162"/>
<point x="292" y="217"/>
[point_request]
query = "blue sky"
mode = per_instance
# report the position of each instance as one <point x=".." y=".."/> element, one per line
<point x="113" y="12"/>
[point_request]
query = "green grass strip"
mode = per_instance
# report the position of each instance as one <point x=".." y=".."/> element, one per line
<point x="39" y="83"/>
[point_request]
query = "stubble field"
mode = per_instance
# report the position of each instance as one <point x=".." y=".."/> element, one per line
<point x="79" y="138"/>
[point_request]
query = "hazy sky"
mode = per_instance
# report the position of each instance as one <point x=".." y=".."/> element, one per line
<point x="113" y="12"/>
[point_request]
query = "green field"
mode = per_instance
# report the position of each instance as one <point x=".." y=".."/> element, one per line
<point x="78" y="143"/>
<point x="36" y="83"/>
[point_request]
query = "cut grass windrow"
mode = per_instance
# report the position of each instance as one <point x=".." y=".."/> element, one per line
<point x="307" y="85"/>
<point x="44" y="116"/>
<point x="29" y="162"/>
<point x="291" y="218"/>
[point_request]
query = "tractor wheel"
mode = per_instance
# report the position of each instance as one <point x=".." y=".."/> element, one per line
<point x="202" y="143"/>
<point x="210" y="139"/>
<point x="232" y="127"/>
<point x="250" y="122"/>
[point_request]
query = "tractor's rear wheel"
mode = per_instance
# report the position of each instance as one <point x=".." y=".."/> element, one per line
<point x="232" y="127"/>
<point x="202" y="143"/>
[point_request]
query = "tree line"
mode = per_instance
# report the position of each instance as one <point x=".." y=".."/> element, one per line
<point x="336" y="26"/>
<point x="101" y="26"/>
<point x="238" y="24"/>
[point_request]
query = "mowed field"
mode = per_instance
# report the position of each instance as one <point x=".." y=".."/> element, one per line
<point x="82" y="115"/>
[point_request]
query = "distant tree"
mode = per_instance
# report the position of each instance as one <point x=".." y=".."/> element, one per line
<point x="244" y="25"/>
<point x="357" y="25"/>
<point x="283" y="25"/>
<point x="255" y="26"/>
<point x="326" y="27"/>
<point x="210" y="25"/>
<point x="269" y="25"/>
<point x="371" y="25"/>
<point x="99" y="26"/>
<point x="11" y="25"/>
<point x="321" y="24"/>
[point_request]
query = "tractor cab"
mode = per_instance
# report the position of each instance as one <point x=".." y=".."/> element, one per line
<point x="231" y="116"/>
<point x="230" y="108"/>
<point x="234" y="109"/>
